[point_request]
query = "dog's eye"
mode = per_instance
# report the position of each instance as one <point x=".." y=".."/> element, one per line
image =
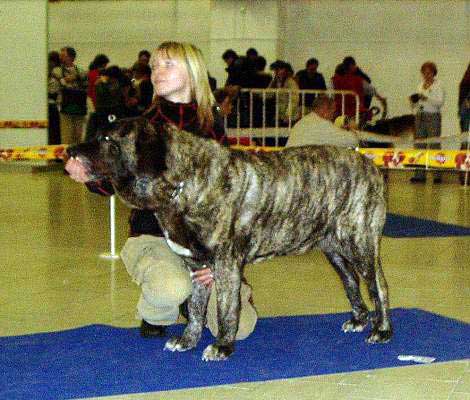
<point x="107" y="138"/>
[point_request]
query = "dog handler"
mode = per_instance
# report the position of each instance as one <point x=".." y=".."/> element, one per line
<point x="184" y="99"/>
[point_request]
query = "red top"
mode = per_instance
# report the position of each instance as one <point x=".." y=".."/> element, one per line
<point x="349" y="82"/>
<point x="93" y="76"/>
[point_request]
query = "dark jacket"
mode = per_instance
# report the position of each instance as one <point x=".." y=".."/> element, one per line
<point x="183" y="116"/>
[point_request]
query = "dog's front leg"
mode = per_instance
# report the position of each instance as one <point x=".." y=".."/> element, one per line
<point x="197" y="307"/>
<point x="228" y="313"/>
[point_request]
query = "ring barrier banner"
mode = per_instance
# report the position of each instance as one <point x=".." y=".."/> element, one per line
<point x="24" y="124"/>
<point x="386" y="158"/>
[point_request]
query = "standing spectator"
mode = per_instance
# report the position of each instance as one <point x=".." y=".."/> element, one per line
<point x="310" y="78"/>
<point x="142" y="58"/>
<point x="53" y="91"/>
<point x="287" y="101"/>
<point x="346" y="78"/>
<point x="464" y="101"/>
<point x="112" y="98"/>
<point x="252" y="54"/>
<point x="97" y="66"/>
<point x="73" y="96"/>
<point x="143" y="87"/>
<point x="464" y="113"/>
<point x="427" y="102"/>
<point x="262" y="79"/>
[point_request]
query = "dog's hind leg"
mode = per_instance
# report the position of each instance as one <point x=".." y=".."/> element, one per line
<point x="197" y="307"/>
<point x="378" y="291"/>
<point x="350" y="281"/>
<point x="228" y="281"/>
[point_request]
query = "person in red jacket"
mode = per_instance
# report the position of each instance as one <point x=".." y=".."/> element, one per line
<point x="184" y="99"/>
<point x="346" y="78"/>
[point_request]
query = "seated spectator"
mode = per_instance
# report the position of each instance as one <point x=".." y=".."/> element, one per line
<point x="310" y="78"/>
<point x="317" y="127"/>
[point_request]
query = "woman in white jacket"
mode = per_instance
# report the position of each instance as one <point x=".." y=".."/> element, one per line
<point x="428" y="102"/>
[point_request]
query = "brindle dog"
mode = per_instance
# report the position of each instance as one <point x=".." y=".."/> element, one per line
<point x="225" y="208"/>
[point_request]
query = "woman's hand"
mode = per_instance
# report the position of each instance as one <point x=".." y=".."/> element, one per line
<point x="77" y="170"/>
<point x="203" y="276"/>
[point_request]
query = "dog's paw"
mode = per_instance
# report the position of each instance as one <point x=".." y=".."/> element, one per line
<point x="354" y="325"/>
<point x="379" y="336"/>
<point x="215" y="352"/>
<point x="179" y="344"/>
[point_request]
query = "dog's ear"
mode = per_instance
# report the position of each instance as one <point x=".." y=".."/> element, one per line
<point x="150" y="149"/>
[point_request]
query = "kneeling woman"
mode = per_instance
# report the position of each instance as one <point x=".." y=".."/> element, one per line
<point x="184" y="99"/>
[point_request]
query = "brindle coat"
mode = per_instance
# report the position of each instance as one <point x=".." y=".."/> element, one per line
<point x="226" y="208"/>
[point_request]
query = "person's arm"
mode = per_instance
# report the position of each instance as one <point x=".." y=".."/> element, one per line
<point x="436" y="96"/>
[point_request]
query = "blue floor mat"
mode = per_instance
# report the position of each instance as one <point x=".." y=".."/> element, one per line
<point x="401" y="226"/>
<point x="100" y="360"/>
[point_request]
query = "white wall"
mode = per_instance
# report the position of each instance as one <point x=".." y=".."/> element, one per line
<point x="23" y="62"/>
<point x="389" y="39"/>
<point x="122" y="28"/>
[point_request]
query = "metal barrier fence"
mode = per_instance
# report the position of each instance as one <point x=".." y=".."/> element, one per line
<point x="265" y="116"/>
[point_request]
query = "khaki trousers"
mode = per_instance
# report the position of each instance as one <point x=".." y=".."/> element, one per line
<point x="165" y="284"/>
<point x="71" y="128"/>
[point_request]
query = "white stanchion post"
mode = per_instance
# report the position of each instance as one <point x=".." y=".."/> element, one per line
<point x="112" y="231"/>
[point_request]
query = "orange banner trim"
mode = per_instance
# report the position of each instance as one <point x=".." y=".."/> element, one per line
<point x="24" y="124"/>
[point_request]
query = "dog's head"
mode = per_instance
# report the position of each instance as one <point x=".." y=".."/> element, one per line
<point x="125" y="149"/>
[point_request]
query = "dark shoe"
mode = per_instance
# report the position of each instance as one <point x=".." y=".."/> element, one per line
<point x="184" y="310"/>
<point x="417" y="179"/>
<point x="149" y="331"/>
<point x="437" y="180"/>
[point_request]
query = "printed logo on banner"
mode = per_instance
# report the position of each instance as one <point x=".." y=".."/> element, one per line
<point x="440" y="158"/>
<point x="462" y="161"/>
<point x="394" y="159"/>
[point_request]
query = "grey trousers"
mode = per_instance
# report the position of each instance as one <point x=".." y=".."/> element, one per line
<point x="427" y="125"/>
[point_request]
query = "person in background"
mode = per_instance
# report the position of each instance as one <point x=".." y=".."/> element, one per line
<point x="97" y="66"/>
<point x="142" y="58"/>
<point x="346" y="78"/>
<point x="464" y="113"/>
<point x="72" y="96"/>
<point x="113" y="97"/>
<point x="143" y="87"/>
<point x="427" y="103"/>
<point x="183" y="99"/>
<point x="53" y="91"/>
<point x="310" y="78"/>
<point x="464" y="101"/>
<point x="287" y="101"/>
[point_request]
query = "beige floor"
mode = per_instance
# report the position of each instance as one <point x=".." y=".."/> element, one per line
<point x="52" y="278"/>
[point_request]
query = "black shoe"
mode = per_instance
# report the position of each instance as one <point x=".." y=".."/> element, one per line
<point x="417" y="179"/>
<point x="184" y="310"/>
<point x="149" y="331"/>
<point x="437" y="180"/>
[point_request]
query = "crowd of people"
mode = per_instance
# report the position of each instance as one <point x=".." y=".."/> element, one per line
<point x="81" y="100"/>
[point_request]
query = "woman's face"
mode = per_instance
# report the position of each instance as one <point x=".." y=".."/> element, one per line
<point x="170" y="79"/>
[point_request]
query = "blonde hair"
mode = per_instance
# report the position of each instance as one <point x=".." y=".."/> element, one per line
<point x="201" y="92"/>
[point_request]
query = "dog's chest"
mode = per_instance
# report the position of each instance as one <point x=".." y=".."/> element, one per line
<point x="177" y="248"/>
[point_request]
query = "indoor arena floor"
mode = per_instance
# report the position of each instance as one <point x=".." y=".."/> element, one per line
<point x="52" y="279"/>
